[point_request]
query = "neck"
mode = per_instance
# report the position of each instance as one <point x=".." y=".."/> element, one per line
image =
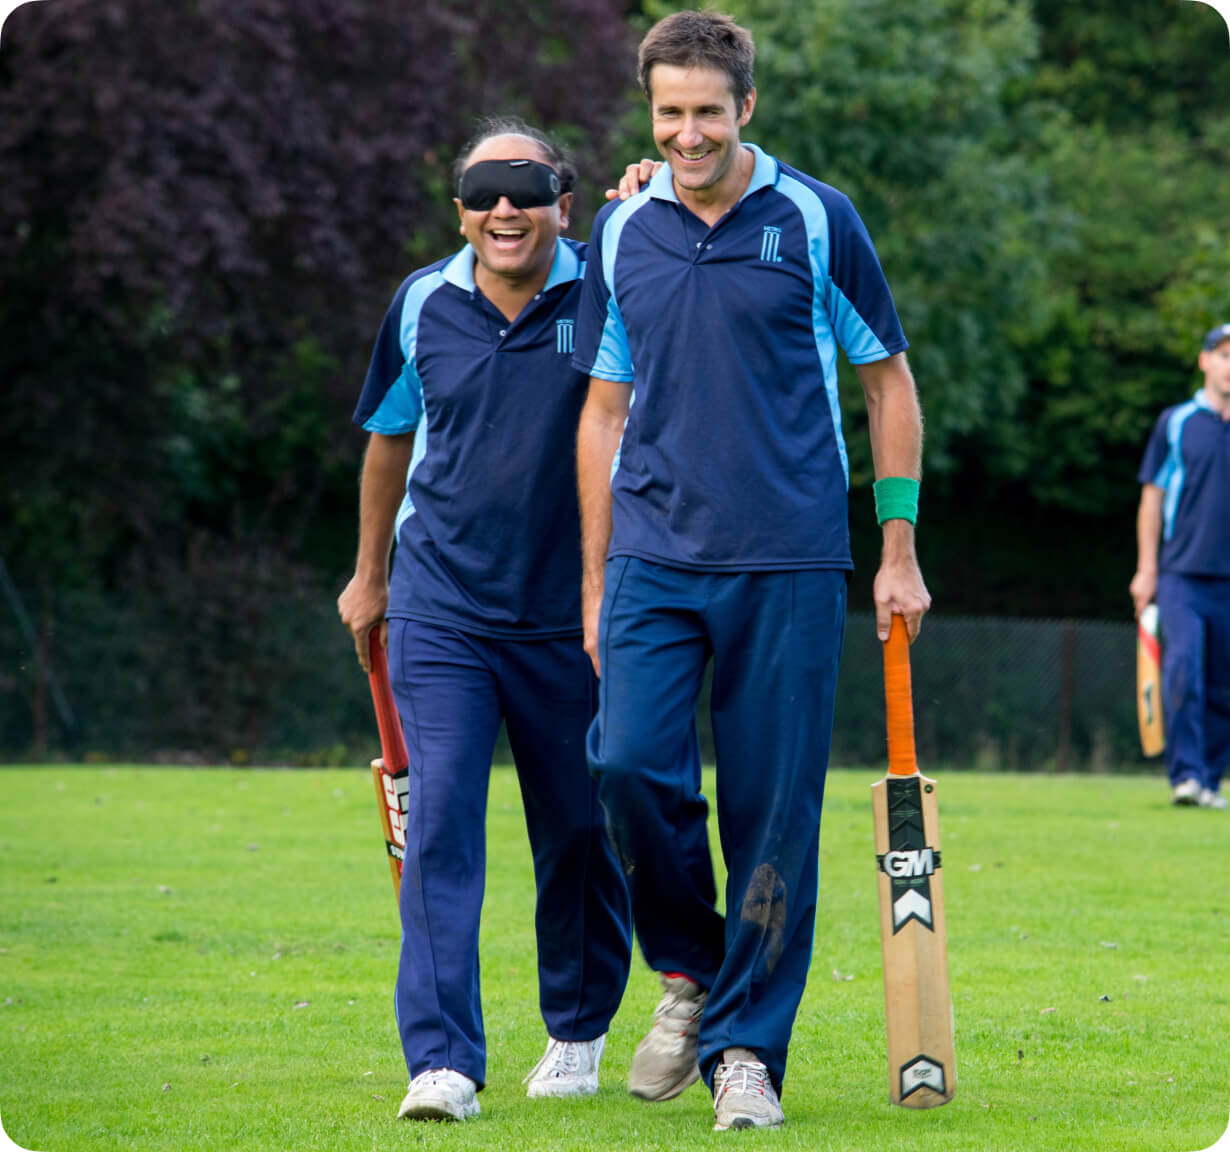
<point x="510" y="294"/>
<point x="712" y="203"/>
<point x="1218" y="401"/>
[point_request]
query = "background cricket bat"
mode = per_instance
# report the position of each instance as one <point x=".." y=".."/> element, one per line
<point x="391" y="772"/>
<point x="1149" y="682"/>
<point x="922" y="1068"/>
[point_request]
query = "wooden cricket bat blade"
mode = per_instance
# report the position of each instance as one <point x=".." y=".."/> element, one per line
<point x="917" y="999"/>
<point x="1149" y="682"/>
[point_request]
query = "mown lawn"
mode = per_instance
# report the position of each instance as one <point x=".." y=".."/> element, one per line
<point x="203" y="959"/>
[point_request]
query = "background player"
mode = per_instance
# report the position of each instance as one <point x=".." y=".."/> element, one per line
<point x="1183" y="560"/>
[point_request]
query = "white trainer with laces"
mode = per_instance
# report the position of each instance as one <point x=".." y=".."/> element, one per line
<point x="440" y="1094"/>
<point x="567" y="1068"/>
<point x="744" y="1097"/>
<point x="1211" y="799"/>
<point x="664" y="1063"/>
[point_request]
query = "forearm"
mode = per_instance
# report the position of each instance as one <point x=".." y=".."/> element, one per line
<point x="595" y="531"/>
<point x="894" y="421"/>
<point x="1148" y="529"/>
<point x="365" y="599"/>
<point x="1148" y="542"/>
<point x="381" y="490"/>
<point x="894" y="418"/>
<point x="598" y="435"/>
<point x="599" y="432"/>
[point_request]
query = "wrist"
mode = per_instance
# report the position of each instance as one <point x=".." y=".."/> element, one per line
<point x="896" y="499"/>
<point x="897" y="542"/>
<point x="372" y="575"/>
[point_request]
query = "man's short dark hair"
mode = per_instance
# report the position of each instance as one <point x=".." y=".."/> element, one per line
<point x="700" y="40"/>
<point x="492" y="126"/>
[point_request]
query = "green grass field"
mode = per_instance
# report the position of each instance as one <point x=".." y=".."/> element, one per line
<point x="204" y="960"/>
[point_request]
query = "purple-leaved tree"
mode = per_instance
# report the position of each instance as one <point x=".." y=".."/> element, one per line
<point x="204" y="209"/>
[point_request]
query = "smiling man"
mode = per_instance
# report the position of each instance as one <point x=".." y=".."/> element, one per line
<point x="472" y="406"/>
<point x="713" y="481"/>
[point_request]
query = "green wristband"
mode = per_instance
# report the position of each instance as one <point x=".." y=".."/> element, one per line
<point x="896" y="499"/>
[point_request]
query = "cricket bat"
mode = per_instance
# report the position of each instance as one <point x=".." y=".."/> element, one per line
<point x="391" y="772"/>
<point x="1149" y="682"/>
<point x="922" y="1067"/>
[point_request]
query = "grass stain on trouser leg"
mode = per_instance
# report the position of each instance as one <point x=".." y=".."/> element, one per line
<point x="764" y="904"/>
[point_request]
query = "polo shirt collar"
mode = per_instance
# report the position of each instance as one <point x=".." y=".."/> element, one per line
<point x="460" y="270"/>
<point x="566" y="267"/>
<point x="764" y="175"/>
<point x="1201" y="400"/>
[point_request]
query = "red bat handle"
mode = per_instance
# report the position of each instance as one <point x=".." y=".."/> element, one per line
<point x="392" y="741"/>
<point x="899" y="701"/>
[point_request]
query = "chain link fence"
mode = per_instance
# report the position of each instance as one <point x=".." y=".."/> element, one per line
<point x="999" y="694"/>
<point x="148" y="683"/>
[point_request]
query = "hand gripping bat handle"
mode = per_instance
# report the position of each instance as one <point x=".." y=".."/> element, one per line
<point x="898" y="700"/>
<point x="392" y="741"/>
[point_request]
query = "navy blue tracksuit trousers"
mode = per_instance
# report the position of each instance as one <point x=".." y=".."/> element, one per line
<point x="775" y="640"/>
<point x="452" y="689"/>
<point x="1195" y="615"/>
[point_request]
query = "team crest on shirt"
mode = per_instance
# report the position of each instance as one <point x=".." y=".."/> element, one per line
<point x="769" y="245"/>
<point x="564" y="336"/>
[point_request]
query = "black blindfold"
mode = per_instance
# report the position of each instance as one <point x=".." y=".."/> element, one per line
<point x="526" y="183"/>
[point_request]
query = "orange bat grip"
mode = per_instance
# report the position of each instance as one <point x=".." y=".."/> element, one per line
<point x="898" y="700"/>
<point x="392" y="742"/>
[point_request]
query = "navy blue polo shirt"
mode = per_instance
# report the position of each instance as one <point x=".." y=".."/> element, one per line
<point x="1188" y="457"/>
<point x="732" y="457"/>
<point x="488" y="535"/>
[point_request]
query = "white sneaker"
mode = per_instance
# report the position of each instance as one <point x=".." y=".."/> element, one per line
<point x="1186" y="792"/>
<point x="567" y="1068"/>
<point x="1211" y="799"/>
<point x="664" y="1063"/>
<point x="744" y="1097"/>
<point x="440" y="1094"/>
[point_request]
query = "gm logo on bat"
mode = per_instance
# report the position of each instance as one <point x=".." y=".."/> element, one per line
<point x="904" y="864"/>
<point x="909" y="870"/>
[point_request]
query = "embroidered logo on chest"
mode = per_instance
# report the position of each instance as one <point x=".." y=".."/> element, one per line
<point x="769" y="244"/>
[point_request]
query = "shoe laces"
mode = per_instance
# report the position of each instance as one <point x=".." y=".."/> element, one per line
<point x="562" y="1058"/>
<point x="743" y="1076"/>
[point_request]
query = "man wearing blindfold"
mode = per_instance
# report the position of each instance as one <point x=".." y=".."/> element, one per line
<point x="472" y="404"/>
